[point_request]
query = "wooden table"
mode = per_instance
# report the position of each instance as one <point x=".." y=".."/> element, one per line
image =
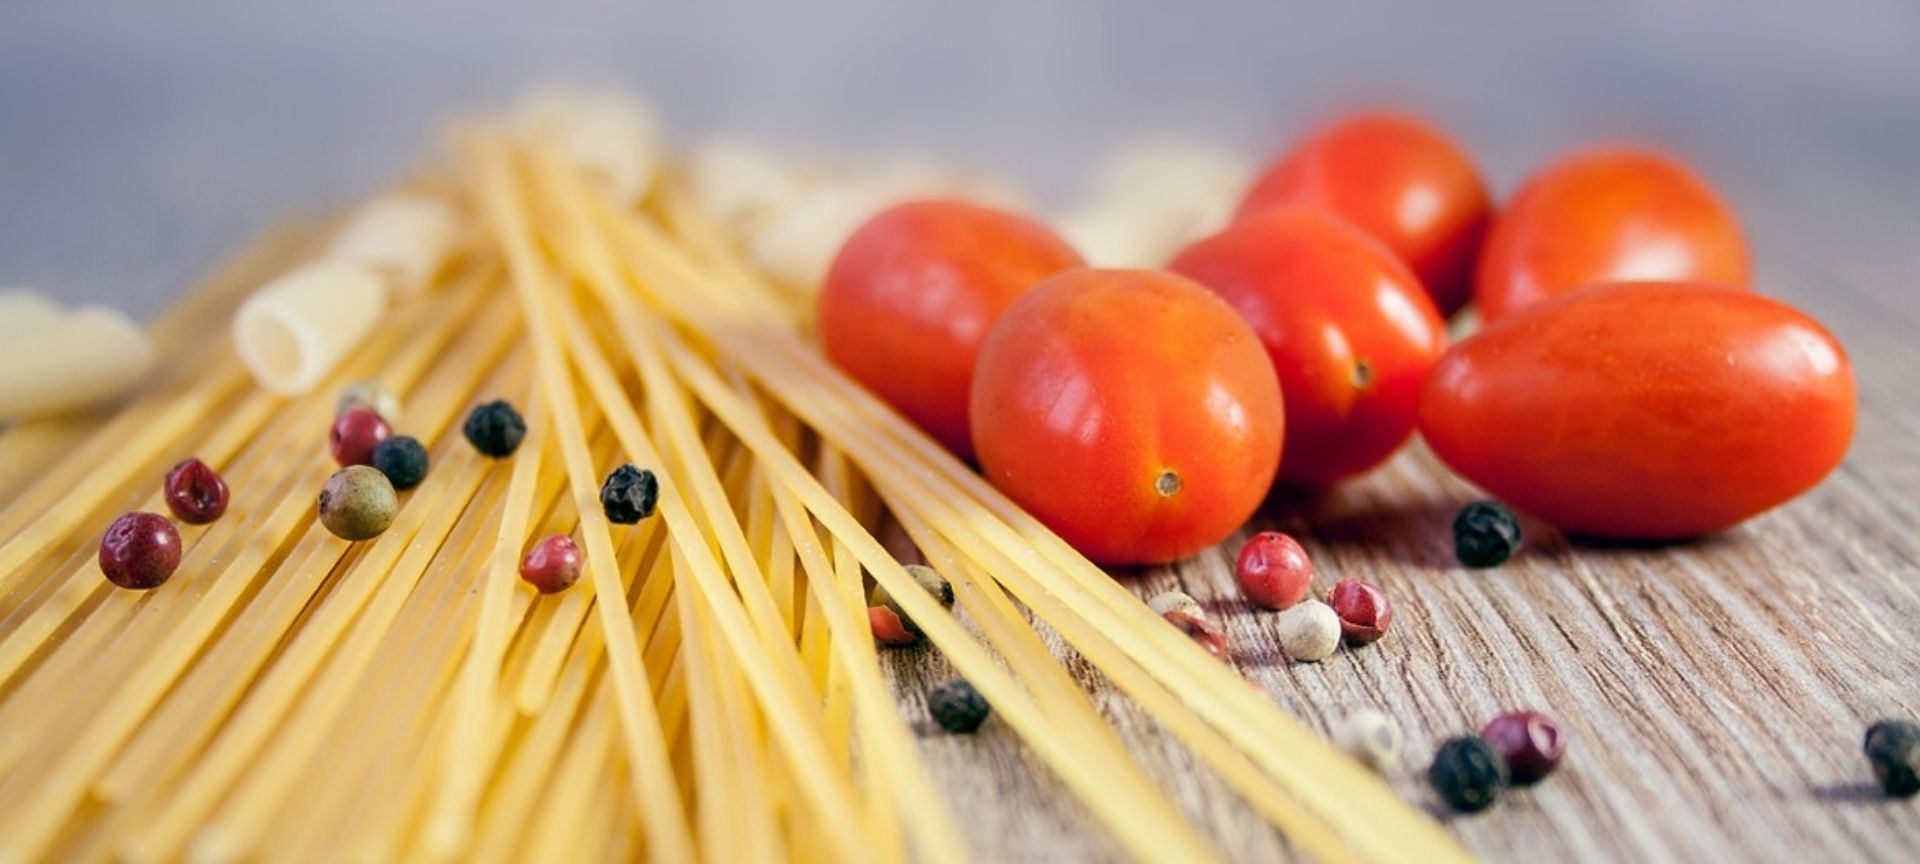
<point x="1715" y="693"/>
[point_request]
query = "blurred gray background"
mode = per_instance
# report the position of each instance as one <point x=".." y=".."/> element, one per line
<point x="139" y="141"/>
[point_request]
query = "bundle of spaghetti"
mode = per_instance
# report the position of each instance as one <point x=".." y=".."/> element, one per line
<point x="1325" y="802"/>
<point x="710" y="689"/>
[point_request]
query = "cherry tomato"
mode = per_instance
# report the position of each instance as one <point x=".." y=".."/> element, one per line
<point x="912" y="293"/>
<point x="1130" y="411"/>
<point x="1398" y="179"/>
<point x="1646" y="411"/>
<point x="1347" y="326"/>
<point x="1608" y="216"/>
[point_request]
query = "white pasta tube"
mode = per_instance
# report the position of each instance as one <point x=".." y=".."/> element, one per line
<point x="68" y="358"/>
<point x="1151" y="198"/>
<point x="403" y="236"/>
<point x="602" y="133"/>
<point x="740" y="186"/>
<point x="21" y="309"/>
<point x="296" y="329"/>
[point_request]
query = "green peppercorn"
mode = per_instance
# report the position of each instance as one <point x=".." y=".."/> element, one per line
<point x="402" y="459"/>
<point x="629" y="495"/>
<point x="357" y="503"/>
<point x="929" y="579"/>
<point x="1893" y="749"/>
<point x="495" y="429"/>
<point x="1468" y="774"/>
<point x="957" y="706"/>
<point x="1485" y="534"/>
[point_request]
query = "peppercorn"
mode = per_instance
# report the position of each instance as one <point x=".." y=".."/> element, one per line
<point x="1309" y="632"/>
<point x="1273" y="570"/>
<point x="195" y="493"/>
<point x="357" y="503"/>
<point x="494" y="429"/>
<point x="403" y="460"/>
<point x="629" y="495"/>
<point x="552" y="565"/>
<point x="929" y="580"/>
<point x="957" y="706"/>
<point x="889" y="628"/>
<point x="369" y="394"/>
<point x="1468" y="774"/>
<point x="1370" y="737"/>
<point x="1363" y="609"/>
<point x="1528" y="741"/>
<point x="1175" y="601"/>
<point x="140" y="550"/>
<point x="1200" y="630"/>
<point x="1893" y="749"/>
<point x="1485" y="534"/>
<point x="355" y="434"/>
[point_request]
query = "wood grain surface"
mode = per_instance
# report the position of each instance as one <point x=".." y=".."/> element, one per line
<point x="1714" y="692"/>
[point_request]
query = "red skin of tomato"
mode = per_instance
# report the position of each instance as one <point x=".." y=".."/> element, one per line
<point x="912" y="293"/>
<point x="1644" y="411"/>
<point x="1399" y="180"/>
<point x="1347" y="326"/>
<point x="1613" y="215"/>
<point x="1131" y="411"/>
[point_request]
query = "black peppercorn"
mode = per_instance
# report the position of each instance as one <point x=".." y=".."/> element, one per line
<point x="1468" y="774"/>
<point x="403" y="460"/>
<point x="1893" y="748"/>
<point x="1485" y="534"/>
<point x="495" y="429"/>
<point x="957" y="707"/>
<point x="629" y="494"/>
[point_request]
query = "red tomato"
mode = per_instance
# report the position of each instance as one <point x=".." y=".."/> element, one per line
<point x="1130" y="411"/>
<point x="1608" y="216"/>
<point x="1347" y="326"/>
<point x="912" y="293"/>
<point x="1398" y="179"/>
<point x="1647" y="411"/>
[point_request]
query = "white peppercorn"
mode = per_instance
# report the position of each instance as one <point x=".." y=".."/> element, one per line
<point x="369" y="394"/>
<point x="1369" y="736"/>
<point x="1175" y="601"/>
<point x="1309" y="632"/>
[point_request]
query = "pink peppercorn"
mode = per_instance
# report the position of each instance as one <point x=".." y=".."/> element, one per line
<point x="1529" y="741"/>
<point x="354" y="435"/>
<point x="140" y="550"/>
<point x="1363" y="609"/>
<point x="888" y="629"/>
<point x="1200" y="630"/>
<point x="552" y="565"/>
<point x="195" y="493"/>
<point x="1273" y="570"/>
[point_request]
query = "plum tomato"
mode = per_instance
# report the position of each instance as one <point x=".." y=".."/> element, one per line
<point x="911" y="294"/>
<point x="1609" y="215"/>
<point x="1130" y="411"/>
<point x="1349" y="330"/>
<point x="1398" y="179"/>
<point x="1644" y="411"/>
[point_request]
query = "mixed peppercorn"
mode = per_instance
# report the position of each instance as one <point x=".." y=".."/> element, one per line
<point x="495" y="429"/>
<point x="1485" y="534"/>
<point x="629" y="495"/>
<point x="958" y="707"/>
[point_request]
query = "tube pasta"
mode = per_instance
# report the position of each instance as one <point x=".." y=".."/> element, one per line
<point x="404" y="236"/>
<point x="294" y="331"/>
<point x="59" y="360"/>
